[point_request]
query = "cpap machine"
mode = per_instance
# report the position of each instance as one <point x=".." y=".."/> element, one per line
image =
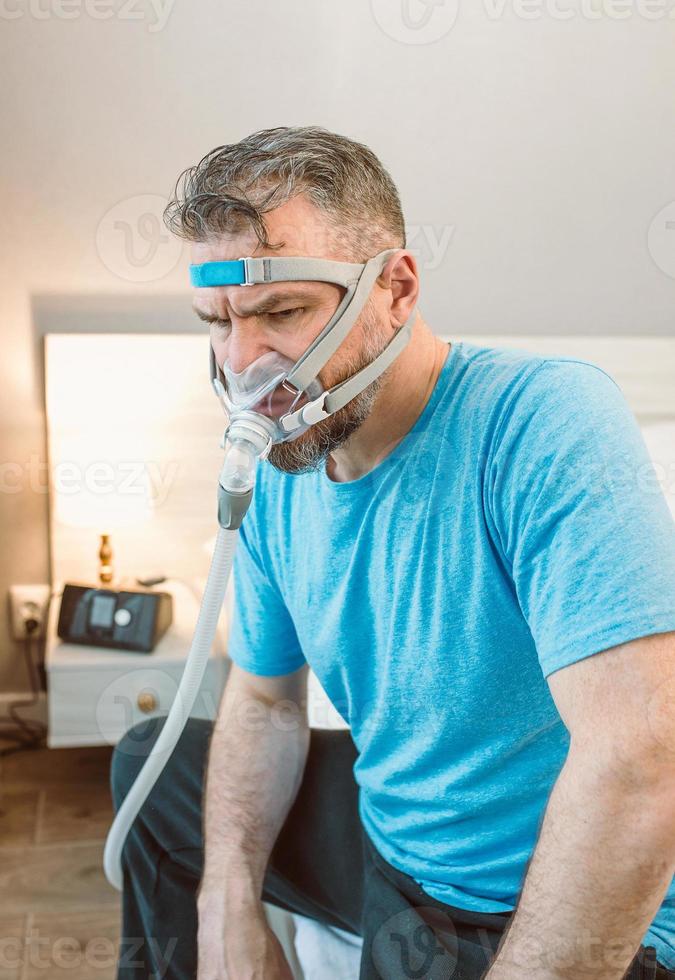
<point x="272" y="400"/>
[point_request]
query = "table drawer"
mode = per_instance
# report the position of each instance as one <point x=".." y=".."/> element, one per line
<point x="96" y="707"/>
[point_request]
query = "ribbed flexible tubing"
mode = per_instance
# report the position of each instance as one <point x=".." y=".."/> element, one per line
<point x="193" y="673"/>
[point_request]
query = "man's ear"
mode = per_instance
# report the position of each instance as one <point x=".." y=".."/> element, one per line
<point x="401" y="278"/>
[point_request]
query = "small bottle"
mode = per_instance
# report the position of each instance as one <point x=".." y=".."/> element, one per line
<point x="105" y="557"/>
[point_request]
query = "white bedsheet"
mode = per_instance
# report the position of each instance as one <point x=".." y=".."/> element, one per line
<point x="325" y="953"/>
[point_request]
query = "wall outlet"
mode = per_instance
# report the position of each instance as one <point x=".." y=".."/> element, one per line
<point x="28" y="605"/>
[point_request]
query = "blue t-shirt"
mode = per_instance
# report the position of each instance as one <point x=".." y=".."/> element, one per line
<point x="510" y="533"/>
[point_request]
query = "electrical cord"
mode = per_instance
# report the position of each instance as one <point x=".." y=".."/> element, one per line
<point x="25" y="733"/>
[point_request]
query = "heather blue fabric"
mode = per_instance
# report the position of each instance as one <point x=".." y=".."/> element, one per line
<point x="517" y="528"/>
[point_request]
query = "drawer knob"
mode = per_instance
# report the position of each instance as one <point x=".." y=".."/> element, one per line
<point x="147" y="702"/>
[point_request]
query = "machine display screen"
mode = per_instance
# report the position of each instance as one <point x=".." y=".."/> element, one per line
<point x="102" y="610"/>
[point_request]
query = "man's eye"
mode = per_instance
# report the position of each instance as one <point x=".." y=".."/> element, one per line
<point x="287" y="314"/>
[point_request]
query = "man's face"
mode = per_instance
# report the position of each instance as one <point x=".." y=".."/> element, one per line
<point x="248" y="321"/>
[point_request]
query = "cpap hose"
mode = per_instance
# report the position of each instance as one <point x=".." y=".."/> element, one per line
<point x="247" y="440"/>
<point x="207" y="621"/>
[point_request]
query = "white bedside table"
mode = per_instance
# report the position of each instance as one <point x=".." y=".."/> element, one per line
<point x="94" y="694"/>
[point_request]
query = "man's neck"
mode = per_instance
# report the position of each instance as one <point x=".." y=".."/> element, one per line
<point x="399" y="404"/>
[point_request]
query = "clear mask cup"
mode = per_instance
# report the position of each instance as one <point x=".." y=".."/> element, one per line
<point x="262" y="388"/>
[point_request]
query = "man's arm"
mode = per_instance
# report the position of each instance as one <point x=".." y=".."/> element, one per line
<point x="256" y="761"/>
<point x="606" y="851"/>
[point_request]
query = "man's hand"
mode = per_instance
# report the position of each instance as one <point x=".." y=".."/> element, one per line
<point x="237" y="947"/>
<point x="254" y="771"/>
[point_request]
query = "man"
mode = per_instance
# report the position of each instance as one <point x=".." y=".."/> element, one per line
<point x="464" y="556"/>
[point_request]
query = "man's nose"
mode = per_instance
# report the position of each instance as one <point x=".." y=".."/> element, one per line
<point x="243" y="346"/>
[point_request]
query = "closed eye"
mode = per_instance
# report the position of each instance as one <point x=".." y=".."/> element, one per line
<point x="278" y="315"/>
<point x="287" y="314"/>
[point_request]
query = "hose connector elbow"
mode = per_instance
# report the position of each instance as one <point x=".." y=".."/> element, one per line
<point x="247" y="440"/>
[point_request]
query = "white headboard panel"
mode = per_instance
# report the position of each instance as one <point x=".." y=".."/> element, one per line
<point x="644" y="367"/>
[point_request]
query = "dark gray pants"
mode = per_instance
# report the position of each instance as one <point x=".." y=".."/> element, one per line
<point x="323" y="866"/>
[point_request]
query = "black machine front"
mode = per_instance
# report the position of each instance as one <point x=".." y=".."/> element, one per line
<point x="131" y="620"/>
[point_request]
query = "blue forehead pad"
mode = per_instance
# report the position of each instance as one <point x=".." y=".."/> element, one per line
<point x="218" y="274"/>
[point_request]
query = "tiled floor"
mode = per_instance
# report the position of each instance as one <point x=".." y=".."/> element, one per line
<point x="59" y="918"/>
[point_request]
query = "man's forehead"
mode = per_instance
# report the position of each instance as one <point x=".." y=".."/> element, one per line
<point x="308" y="241"/>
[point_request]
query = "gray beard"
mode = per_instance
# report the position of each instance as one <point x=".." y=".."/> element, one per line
<point x="309" y="451"/>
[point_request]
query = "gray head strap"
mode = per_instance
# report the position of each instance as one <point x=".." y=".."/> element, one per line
<point x="358" y="280"/>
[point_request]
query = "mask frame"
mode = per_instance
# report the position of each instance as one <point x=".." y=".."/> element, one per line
<point x="357" y="280"/>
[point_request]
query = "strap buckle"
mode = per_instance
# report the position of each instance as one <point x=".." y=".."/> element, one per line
<point x="256" y="271"/>
<point x="249" y="276"/>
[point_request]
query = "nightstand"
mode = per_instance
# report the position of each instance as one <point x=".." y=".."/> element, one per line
<point x="94" y="694"/>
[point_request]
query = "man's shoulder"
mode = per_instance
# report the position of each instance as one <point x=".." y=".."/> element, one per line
<point x="513" y="380"/>
<point x="525" y="404"/>
<point x="512" y="367"/>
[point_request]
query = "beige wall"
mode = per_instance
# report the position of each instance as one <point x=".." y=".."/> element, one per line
<point x="533" y="156"/>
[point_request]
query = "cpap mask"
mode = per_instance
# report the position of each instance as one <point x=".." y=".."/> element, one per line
<point x="275" y="399"/>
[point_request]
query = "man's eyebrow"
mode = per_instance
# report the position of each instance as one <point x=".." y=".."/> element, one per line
<point x="262" y="306"/>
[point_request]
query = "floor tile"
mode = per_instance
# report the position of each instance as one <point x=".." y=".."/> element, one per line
<point x="12" y="929"/>
<point x="58" y="877"/>
<point x="18" y="815"/>
<point x="74" y="812"/>
<point x="76" y="946"/>
<point x="44" y="767"/>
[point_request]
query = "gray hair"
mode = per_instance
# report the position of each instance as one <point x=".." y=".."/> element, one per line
<point x="234" y="185"/>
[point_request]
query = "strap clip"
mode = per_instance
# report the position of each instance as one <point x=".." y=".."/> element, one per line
<point x="249" y="277"/>
<point x="315" y="411"/>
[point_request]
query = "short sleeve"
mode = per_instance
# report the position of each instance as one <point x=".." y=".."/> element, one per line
<point x="579" y="516"/>
<point x="262" y="637"/>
